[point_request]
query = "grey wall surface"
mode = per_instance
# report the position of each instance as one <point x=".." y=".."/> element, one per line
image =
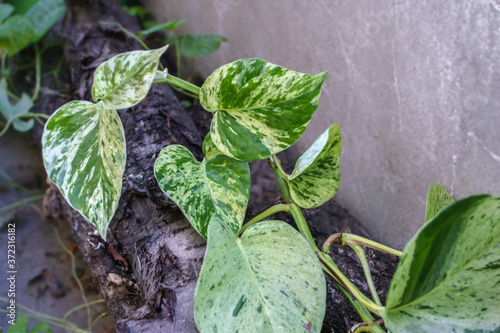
<point x="414" y="85"/>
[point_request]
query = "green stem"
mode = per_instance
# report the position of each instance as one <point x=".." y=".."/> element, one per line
<point x="38" y="70"/>
<point x="81" y="306"/>
<point x="175" y="81"/>
<point x="347" y="284"/>
<point x="102" y="315"/>
<point x="24" y="115"/>
<point x="325" y="259"/>
<point x="268" y="212"/>
<point x="302" y="225"/>
<point x="22" y="202"/>
<point x="75" y="276"/>
<point x="128" y="32"/>
<point x="358" y="240"/>
<point x="366" y="268"/>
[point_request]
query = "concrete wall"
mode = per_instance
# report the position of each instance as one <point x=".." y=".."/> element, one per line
<point x="414" y="85"/>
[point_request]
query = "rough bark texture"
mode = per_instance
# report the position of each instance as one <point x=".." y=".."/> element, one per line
<point x="152" y="289"/>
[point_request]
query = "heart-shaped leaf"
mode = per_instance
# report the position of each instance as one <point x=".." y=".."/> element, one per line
<point x="438" y="197"/>
<point x="16" y="33"/>
<point x="270" y="280"/>
<point x="5" y="11"/>
<point x="124" y="80"/>
<point x="196" y="46"/>
<point x="449" y="275"/>
<point x="260" y="108"/>
<point x="217" y="187"/>
<point x="43" y="15"/>
<point x="84" y="154"/>
<point x="316" y="176"/>
<point x="11" y="112"/>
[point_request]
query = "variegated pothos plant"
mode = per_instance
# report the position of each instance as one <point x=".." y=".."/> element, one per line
<point x="265" y="276"/>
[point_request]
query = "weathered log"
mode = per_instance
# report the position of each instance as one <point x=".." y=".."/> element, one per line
<point x="148" y="275"/>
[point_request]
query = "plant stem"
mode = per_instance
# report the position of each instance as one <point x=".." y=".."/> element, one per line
<point x="268" y="212"/>
<point x="127" y="32"/>
<point x="24" y="115"/>
<point x="302" y="225"/>
<point x="177" y="82"/>
<point x="73" y="270"/>
<point x="366" y="268"/>
<point x="347" y="284"/>
<point x="81" y="306"/>
<point x="38" y="70"/>
<point x="22" y="202"/>
<point x="325" y="259"/>
<point x="358" y="240"/>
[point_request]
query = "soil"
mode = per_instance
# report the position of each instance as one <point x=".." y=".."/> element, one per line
<point x="147" y="270"/>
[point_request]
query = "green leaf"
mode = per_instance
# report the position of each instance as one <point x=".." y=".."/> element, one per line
<point x="196" y="46"/>
<point x="438" y="197"/>
<point x="260" y="108"/>
<point x="12" y="112"/>
<point x="449" y="275"/>
<point x="16" y="33"/>
<point x="20" y="326"/>
<point x="217" y="187"/>
<point x="5" y="11"/>
<point x="84" y="154"/>
<point x="316" y="176"/>
<point x="270" y="280"/>
<point x="43" y="15"/>
<point x="136" y="10"/>
<point x="41" y="328"/>
<point x="171" y="25"/>
<point x="124" y="80"/>
<point x="210" y="150"/>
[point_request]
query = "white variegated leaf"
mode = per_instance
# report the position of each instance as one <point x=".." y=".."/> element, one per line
<point x="269" y="280"/>
<point x="448" y="279"/>
<point x="260" y="108"/>
<point x="316" y="176"/>
<point x="124" y="80"/>
<point x="84" y="154"/>
<point x="217" y="187"/>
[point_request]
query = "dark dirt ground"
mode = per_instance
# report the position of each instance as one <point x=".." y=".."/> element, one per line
<point x="44" y="280"/>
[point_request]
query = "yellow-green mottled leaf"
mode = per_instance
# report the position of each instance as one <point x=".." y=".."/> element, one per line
<point x="84" y="154"/>
<point x="124" y="80"/>
<point x="217" y="187"/>
<point x="316" y="177"/>
<point x="438" y="197"/>
<point x="269" y="280"/>
<point x="448" y="279"/>
<point x="260" y="108"/>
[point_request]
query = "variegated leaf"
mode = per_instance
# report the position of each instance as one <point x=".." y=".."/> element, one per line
<point x="316" y="176"/>
<point x="260" y="108"/>
<point x="269" y="280"/>
<point x="210" y="150"/>
<point x="84" y="154"/>
<point x="438" y="197"/>
<point x="124" y="80"/>
<point x="217" y="187"/>
<point x="449" y="275"/>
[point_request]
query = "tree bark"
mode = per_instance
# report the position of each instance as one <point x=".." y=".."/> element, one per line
<point x="148" y="275"/>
